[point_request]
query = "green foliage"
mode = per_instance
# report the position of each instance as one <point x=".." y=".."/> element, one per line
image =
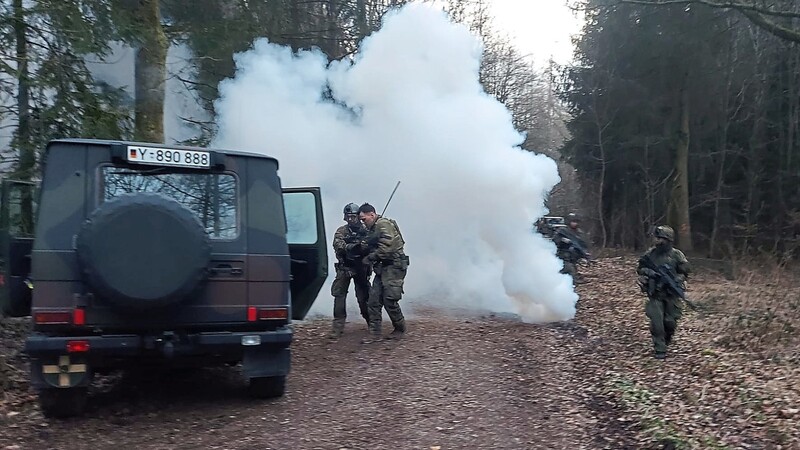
<point x="63" y="100"/>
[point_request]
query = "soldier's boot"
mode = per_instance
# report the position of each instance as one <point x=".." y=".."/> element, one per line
<point x="399" y="330"/>
<point x="374" y="333"/>
<point x="374" y="328"/>
<point x="660" y="355"/>
<point x="337" y="329"/>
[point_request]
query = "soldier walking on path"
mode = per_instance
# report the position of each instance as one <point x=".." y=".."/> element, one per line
<point x="662" y="274"/>
<point x="571" y="247"/>
<point x="347" y="247"/>
<point x="384" y="246"/>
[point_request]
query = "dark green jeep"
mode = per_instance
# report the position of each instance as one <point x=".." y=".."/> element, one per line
<point x="145" y="254"/>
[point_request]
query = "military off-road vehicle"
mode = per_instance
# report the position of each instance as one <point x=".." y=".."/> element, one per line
<point x="548" y="225"/>
<point x="144" y="255"/>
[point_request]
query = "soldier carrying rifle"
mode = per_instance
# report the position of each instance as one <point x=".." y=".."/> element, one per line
<point x="571" y="247"/>
<point x="662" y="274"/>
<point x="349" y="254"/>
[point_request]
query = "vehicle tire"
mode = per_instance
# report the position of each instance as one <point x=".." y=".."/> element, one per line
<point x="267" y="387"/>
<point x="142" y="251"/>
<point x="63" y="402"/>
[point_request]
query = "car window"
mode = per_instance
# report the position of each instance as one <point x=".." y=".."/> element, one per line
<point x="301" y="217"/>
<point x="20" y="209"/>
<point x="211" y="196"/>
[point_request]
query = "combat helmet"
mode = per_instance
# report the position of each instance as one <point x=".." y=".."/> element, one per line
<point x="350" y="209"/>
<point x="665" y="232"/>
<point x="573" y="218"/>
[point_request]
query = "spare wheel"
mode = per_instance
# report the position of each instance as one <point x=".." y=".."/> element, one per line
<point x="143" y="250"/>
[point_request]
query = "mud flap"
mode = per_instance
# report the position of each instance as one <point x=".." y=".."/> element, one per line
<point x="65" y="371"/>
<point x="265" y="362"/>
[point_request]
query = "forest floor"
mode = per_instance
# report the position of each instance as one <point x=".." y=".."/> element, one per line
<point x="459" y="381"/>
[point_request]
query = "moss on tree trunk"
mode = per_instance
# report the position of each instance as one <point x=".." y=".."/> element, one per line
<point x="151" y="56"/>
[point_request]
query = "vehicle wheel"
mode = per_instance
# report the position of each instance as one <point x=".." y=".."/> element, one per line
<point x="268" y="387"/>
<point x="141" y="251"/>
<point x="62" y="403"/>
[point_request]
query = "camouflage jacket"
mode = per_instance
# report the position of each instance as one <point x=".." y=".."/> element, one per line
<point x="384" y="240"/>
<point x="674" y="258"/>
<point x="564" y="239"/>
<point x="345" y="235"/>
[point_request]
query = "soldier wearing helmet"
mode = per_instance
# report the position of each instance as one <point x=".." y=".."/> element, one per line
<point x="349" y="266"/>
<point x="572" y="221"/>
<point x="571" y="247"/>
<point x="663" y="308"/>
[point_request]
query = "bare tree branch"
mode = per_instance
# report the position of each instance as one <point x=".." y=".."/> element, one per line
<point x="756" y="14"/>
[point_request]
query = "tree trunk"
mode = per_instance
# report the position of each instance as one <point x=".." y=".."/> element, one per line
<point x="679" y="198"/>
<point x="151" y="72"/>
<point x="27" y="152"/>
<point x="361" y="19"/>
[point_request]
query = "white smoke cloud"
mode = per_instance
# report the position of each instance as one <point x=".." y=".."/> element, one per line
<point x="410" y="108"/>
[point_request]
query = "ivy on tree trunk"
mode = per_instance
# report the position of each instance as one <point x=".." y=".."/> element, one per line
<point x="151" y="73"/>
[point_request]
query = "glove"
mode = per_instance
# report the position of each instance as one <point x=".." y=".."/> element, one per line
<point x="648" y="272"/>
<point x="368" y="260"/>
<point x="352" y="246"/>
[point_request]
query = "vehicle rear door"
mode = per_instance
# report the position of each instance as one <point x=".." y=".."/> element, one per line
<point x="305" y="234"/>
<point x="17" y="216"/>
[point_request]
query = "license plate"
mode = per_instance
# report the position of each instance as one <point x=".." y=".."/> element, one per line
<point x="169" y="157"/>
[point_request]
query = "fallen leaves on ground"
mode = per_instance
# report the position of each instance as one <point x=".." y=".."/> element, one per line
<point x="461" y="380"/>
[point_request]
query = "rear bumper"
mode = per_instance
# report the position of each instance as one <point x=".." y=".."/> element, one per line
<point x="52" y="365"/>
<point x="131" y="344"/>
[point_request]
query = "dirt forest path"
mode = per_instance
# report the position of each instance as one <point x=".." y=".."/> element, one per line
<point x="455" y="382"/>
<point x="451" y="383"/>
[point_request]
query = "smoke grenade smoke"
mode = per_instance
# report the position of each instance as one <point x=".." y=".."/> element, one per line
<point x="409" y="107"/>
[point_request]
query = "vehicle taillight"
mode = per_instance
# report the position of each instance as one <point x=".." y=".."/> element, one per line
<point x="273" y="314"/>
<point x="77" y="346"/>
<point x="79" y="316"/>
<point x="252" y="314"/>
<point x="53" y="318"/>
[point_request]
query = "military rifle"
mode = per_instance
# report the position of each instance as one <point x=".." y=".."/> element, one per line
<point x="578" y="250"/>
<point x="390" y="197"/>
<point x="355" y="252"/>
<point x="575" y="247"/>
<point x="665" y="279"/>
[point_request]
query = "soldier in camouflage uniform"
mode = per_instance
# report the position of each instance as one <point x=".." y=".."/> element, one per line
<point x="565" y="238"/>
<point x="662" y="308"/>
<point x="347" y="247"/>
<point x="384" y="244"/>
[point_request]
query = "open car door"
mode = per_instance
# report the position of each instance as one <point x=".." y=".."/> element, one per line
<point x="17" y="215"/>
<point x="305" y="234"/>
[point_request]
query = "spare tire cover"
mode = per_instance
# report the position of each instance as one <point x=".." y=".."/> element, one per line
<point x="143" y="250"/>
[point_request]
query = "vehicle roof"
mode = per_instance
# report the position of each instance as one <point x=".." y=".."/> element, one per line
<point x="167" y="146"/>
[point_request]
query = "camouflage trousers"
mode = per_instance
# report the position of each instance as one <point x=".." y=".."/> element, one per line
<point x="339" y="288"/>
<point x="386" y="292"/>
<point x="569" y="262"/>
<point x="664" y="313"/>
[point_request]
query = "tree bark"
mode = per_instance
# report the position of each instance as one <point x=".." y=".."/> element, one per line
<point x="679" y="198"/>
<point x="150" y="72"/>
<point x="27" y="152"/>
